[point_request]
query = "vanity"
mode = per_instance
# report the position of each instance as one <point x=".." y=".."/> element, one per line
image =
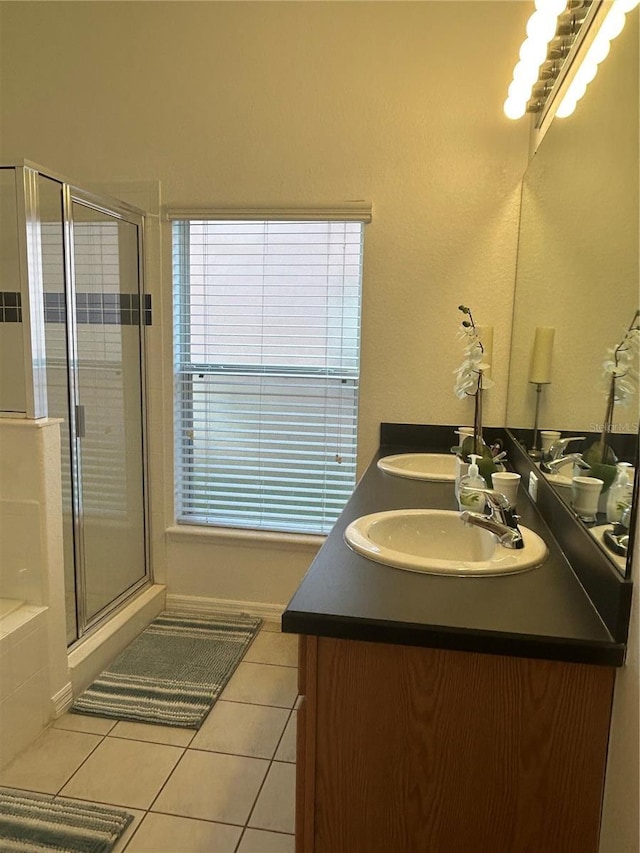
<point x="441" y="714"/>
<point x="450" y="714"/>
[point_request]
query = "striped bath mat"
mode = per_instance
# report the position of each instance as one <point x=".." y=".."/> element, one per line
<point x="31" y="823"/>
<point x="173" y="672"/>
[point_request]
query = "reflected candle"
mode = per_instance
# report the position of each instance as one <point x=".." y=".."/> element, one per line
<point x="540" y="370"/>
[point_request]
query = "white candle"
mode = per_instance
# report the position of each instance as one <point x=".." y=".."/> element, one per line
<point x="540" y="371"/>
<point x="485" y="333"/>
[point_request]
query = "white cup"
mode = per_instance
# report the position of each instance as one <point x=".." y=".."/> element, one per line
<point x="547" y="438"/>
<point x="507" y="483"/>
<point x="585" y="493"/>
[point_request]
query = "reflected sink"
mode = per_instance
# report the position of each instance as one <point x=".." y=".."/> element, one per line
<point x="598" y="534"/>
<point x="437" y="542"/>
<point x="440" y="467"/>
<point x="561" y="476"/>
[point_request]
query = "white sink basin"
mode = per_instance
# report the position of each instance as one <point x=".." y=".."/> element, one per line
<point x="420" y="466"/>
<point x="437" y="542"/>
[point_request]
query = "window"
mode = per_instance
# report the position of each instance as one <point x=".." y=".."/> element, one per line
<point x="266" y="349"/>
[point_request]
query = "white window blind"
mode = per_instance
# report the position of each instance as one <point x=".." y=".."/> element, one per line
<point x="267" y="338"/>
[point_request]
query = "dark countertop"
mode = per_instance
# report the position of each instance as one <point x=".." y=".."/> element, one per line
<point x="542" y="613"/>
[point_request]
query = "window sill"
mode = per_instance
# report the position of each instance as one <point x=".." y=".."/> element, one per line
<point x="238" y="536"/>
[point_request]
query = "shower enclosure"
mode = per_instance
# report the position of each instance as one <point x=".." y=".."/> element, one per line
<point x="76" y="348"/>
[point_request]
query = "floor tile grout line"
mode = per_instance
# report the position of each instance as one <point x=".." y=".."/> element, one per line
<point x="82" y="763"/>
<point x="155" y="742"/>
<point x="257" y="797"/>
<point x="162" y="787"/>
<point x="291" y="712"/>
<point x="253" y="808"/>
<point x="204" y="820"/>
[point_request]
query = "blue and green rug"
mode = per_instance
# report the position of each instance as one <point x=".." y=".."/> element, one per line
<point x="173" y="672"/>
<point x="32" y="823"/>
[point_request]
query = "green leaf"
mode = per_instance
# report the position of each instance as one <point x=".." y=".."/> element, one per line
<point x="487" y="467"/>
<point x="593" y="455"/>
<point x="606" y="473"/>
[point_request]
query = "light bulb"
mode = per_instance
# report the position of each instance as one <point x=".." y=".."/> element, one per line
<point x="613" y="23"/>
<point x="541" y="27"/>
<point x="587" y="71"/>
<point x="555" y="7"/>
<point x="626" y="5"/>
<point x="526" y="74"/>
<point x="599" y="50"/>
<point x="567" y="106"/>
<point x="514" y="109"/>
<point x="532" y="53"/>
<point x="577" y="89"/>
<point x="519" y="91"/>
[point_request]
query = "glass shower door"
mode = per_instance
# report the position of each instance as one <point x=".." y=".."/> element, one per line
<point x="107" y="379"/>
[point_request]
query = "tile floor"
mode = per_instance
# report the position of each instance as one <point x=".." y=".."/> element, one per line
<point x="227" y="788"/>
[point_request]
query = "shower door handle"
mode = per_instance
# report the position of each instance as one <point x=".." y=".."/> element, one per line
<point x="80" y="422"/>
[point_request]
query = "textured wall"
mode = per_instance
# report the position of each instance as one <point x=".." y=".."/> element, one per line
<point x="296" y="104"/>
<point x="305" y="103"/>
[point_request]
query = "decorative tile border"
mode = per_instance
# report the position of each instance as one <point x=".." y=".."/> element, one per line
<point x="10" y="306"/>
<point x="101" y="309"/>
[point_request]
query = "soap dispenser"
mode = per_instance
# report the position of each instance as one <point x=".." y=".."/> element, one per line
<point x="472" y="500"/>
<point x="620" y="492"/>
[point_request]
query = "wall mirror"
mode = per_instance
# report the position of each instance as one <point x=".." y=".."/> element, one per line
<point x="577" y="269"/>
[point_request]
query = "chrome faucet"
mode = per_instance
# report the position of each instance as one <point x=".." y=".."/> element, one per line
<point x="501" y="521"/>
<point x="552" y="464"/>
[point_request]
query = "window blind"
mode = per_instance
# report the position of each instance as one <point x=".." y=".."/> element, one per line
<point x="266" y="353"/>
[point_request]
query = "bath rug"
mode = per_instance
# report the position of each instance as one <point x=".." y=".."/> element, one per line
<point x="173" y="672"/>
<point x="32" y="823"/>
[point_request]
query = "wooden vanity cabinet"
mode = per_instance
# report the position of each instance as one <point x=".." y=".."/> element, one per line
<point x="416" y="750"/>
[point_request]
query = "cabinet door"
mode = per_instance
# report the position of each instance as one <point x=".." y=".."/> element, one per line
<point x="435" y="751"/>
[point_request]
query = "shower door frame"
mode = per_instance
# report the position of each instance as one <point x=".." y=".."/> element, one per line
<point x="31" y="286"/>
<point x="124" y="213"/>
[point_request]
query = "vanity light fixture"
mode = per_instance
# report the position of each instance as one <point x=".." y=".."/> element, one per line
<point x="561" y="63"/>
<point x="611" y="27"/>
<point x="529" y="73"/>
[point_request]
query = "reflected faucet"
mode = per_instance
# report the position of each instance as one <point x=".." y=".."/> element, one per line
<point x="557" y="449"/>
<point x="616" y="538"/>
<point x="501" y="521"/>
<point x="552" y="464"/>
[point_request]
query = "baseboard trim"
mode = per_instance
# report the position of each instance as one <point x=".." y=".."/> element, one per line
<point x="189" y="603"/>
<point x="62" y="700"/>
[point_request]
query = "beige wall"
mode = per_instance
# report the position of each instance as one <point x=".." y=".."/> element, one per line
<point x="297" y="104"/>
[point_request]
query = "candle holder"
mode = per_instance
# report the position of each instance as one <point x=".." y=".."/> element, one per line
<point x="535" y="453"/>
<point x="540" y="375"/>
